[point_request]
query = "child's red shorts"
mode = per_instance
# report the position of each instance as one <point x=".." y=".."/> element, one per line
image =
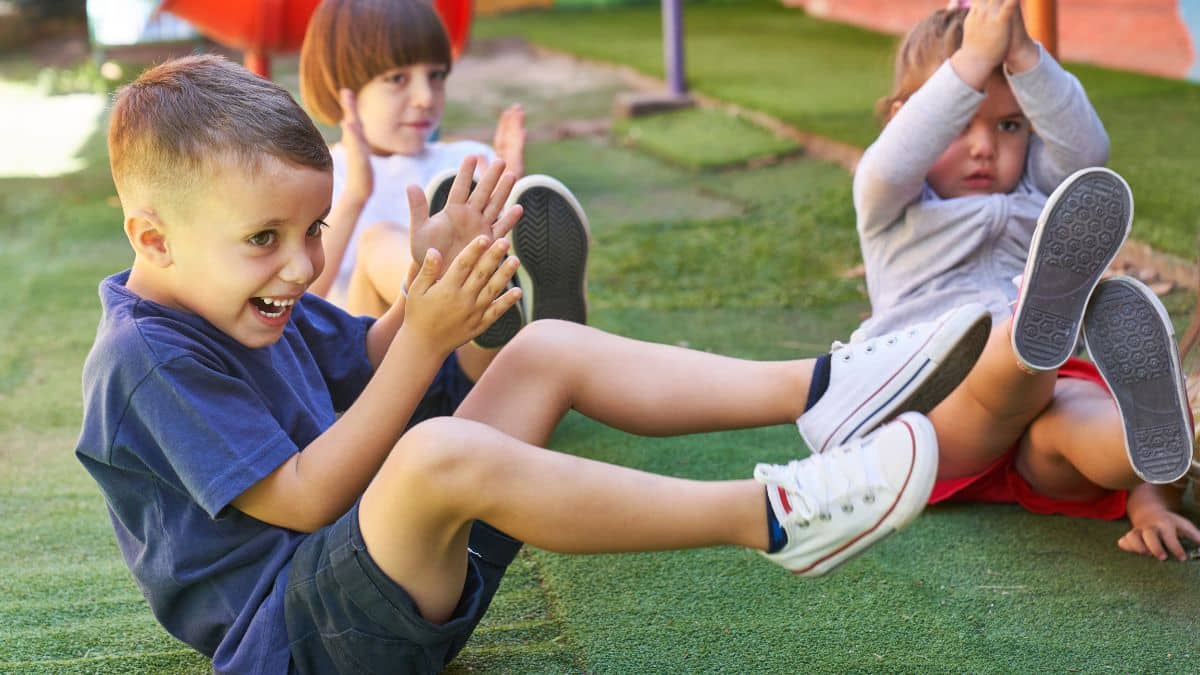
<point x="1002" y="484"/>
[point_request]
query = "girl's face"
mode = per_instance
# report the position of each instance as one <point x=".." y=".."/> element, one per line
<point x="989" y="155"/>
<point x="400" y="108"/>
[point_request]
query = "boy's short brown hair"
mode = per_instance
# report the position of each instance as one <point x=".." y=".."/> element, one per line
<point x="923" y="49"/>
<point x="174" y="125"/>
<point x="349" y="42"/>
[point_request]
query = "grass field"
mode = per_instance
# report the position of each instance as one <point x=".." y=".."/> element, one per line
<point x="746" y="261"/>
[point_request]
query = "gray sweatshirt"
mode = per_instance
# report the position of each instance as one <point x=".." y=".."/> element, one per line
<point x="923" y="254"/>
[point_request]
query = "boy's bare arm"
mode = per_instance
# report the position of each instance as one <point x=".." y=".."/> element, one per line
<point x="360" y="182"/>
<point x="1157" y="524"/>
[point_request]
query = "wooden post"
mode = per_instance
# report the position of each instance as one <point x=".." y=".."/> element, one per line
<point x="1041" y="19"/>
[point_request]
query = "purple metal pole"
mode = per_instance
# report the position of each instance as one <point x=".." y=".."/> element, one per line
<point x="672" y="20"/>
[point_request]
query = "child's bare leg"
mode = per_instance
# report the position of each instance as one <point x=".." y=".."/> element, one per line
<point x="444" y="473"/>
<point x="644" y="388"/>
<point x="981" y="419"/>
<point x="1058" y="460"/>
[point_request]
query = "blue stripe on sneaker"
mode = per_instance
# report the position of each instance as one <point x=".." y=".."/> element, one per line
<point x="885" y="404"/>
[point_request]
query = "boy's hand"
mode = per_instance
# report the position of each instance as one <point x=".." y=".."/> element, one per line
<point x="445" y="311"/>
<point x="509" y="141"/>
<point x="360" y="178"/>
<point x="1158" y="533"/>
<point x="1023" y="52"/>
<point x="466" y="216"/>
<point x="987" y="36"/>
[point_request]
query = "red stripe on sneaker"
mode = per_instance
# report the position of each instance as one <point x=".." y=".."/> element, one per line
<point x="899" y="495"/>
<point x="886" y="382"/>
<point x="783" y="500"/>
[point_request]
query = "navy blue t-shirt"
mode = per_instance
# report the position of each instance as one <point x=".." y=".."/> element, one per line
<point x="179" y="419"/>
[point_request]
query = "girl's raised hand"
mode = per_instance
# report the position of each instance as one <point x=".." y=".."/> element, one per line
<point x="1023" y="52"/>
<point x="360" y="178"/>
<point x="987" y="35"/>
<point x="509" y="141"/>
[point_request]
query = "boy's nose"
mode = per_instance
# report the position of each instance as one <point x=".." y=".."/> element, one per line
<point x="299" y="268"/>
<point x="421" y="91"/>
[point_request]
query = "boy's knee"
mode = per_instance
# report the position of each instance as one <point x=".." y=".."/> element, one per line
<point x="442" y="451"/>
<point x="545" y="336"/>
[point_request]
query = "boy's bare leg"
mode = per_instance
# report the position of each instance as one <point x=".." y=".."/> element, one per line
<point x="981" y="419"/>
<point x="383" y="261"/>
<point x="1059" y="461"/>
<point x="444" y="473"/>
<point x="639" y="387"/>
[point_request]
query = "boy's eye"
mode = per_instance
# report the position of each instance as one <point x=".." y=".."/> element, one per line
<point x="438" y="75"/>
<point x="314" y="230"/>
<point x="264" y="238"/>
<point x="396" y="78"/>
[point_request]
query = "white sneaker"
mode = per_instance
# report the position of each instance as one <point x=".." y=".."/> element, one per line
<point x="1079" y="232"/>
<point x="874" y="380"/>
<point x="833" y="506"/>
<point x="1131" y="340"/>
<point x="551" y="240"/>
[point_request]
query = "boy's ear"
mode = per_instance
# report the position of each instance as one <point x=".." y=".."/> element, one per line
<point x="148" y="237"/>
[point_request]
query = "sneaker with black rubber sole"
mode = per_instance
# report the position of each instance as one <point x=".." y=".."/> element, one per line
<point x="551" y="240"/>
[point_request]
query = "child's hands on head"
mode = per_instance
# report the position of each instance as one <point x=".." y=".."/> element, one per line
<point x="1023" y="52"/>
<point x="360" y="178"/>
<point x="509" y="141"/>
<point x="987" y="39"/>
<point x="468" y="213"/>
<point x="1158" y="535"/>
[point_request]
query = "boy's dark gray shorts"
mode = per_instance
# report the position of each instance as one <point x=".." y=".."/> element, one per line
<point x="344" y="615"/>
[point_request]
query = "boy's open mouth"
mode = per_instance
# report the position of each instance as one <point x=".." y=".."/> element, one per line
<point x="272" y="308"/>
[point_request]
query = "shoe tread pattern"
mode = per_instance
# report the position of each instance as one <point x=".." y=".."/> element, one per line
<point x="551" y="242"/>
<point x="1133" y="350"/>
<point x="1082" y="233"/>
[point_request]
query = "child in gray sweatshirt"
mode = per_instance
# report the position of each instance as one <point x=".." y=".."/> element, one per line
<point x="952" y="206"/>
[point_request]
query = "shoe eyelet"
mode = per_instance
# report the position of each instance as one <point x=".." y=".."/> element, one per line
<point x="869" y="498"/>
<point x="847" y="508"/>
<point x="825" y="516"/>
<point x="869" y="349"/>
<point x="845" y="357"/>
<point x="803" y="523"/>
<point x="892" y="340"/>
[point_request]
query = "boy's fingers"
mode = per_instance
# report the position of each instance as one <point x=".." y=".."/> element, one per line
<point x="501" y="305"/>
<point x="499" y="281"/>
<point x="418" y="207"/>
<point x="1154" y="544"/>
<point x="464" y="264"/>
<point x="428" y="273"/>
<point x="499" y="196"/>
<point x="508" y="220"/>
<point x="1171" y="539"/>
<point x="487" y="182"/>
<point x="485" y="268"/>
<point x="461" y="188"/>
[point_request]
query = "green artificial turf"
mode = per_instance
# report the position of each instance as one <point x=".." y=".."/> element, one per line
<point x="703" y="138"/>
<point x="825" y="77"/>
<point x="749" y="262"/>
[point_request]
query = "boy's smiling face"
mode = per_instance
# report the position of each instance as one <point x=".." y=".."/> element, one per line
<point x="243" y="250"/>
<point x="989" y="155"/>
<point x="402" y="107"/>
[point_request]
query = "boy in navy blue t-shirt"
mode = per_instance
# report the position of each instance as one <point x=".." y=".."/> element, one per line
<point x="250" y="440"/>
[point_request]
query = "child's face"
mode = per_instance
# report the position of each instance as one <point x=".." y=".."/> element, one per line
<point x="402" y="107"/>
<point x="247" y="248"/>
<point x="989" y="155"/>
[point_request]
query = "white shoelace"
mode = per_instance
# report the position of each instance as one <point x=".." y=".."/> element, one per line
<point x="817" y="483"/>
<point x="846" y="350"/>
